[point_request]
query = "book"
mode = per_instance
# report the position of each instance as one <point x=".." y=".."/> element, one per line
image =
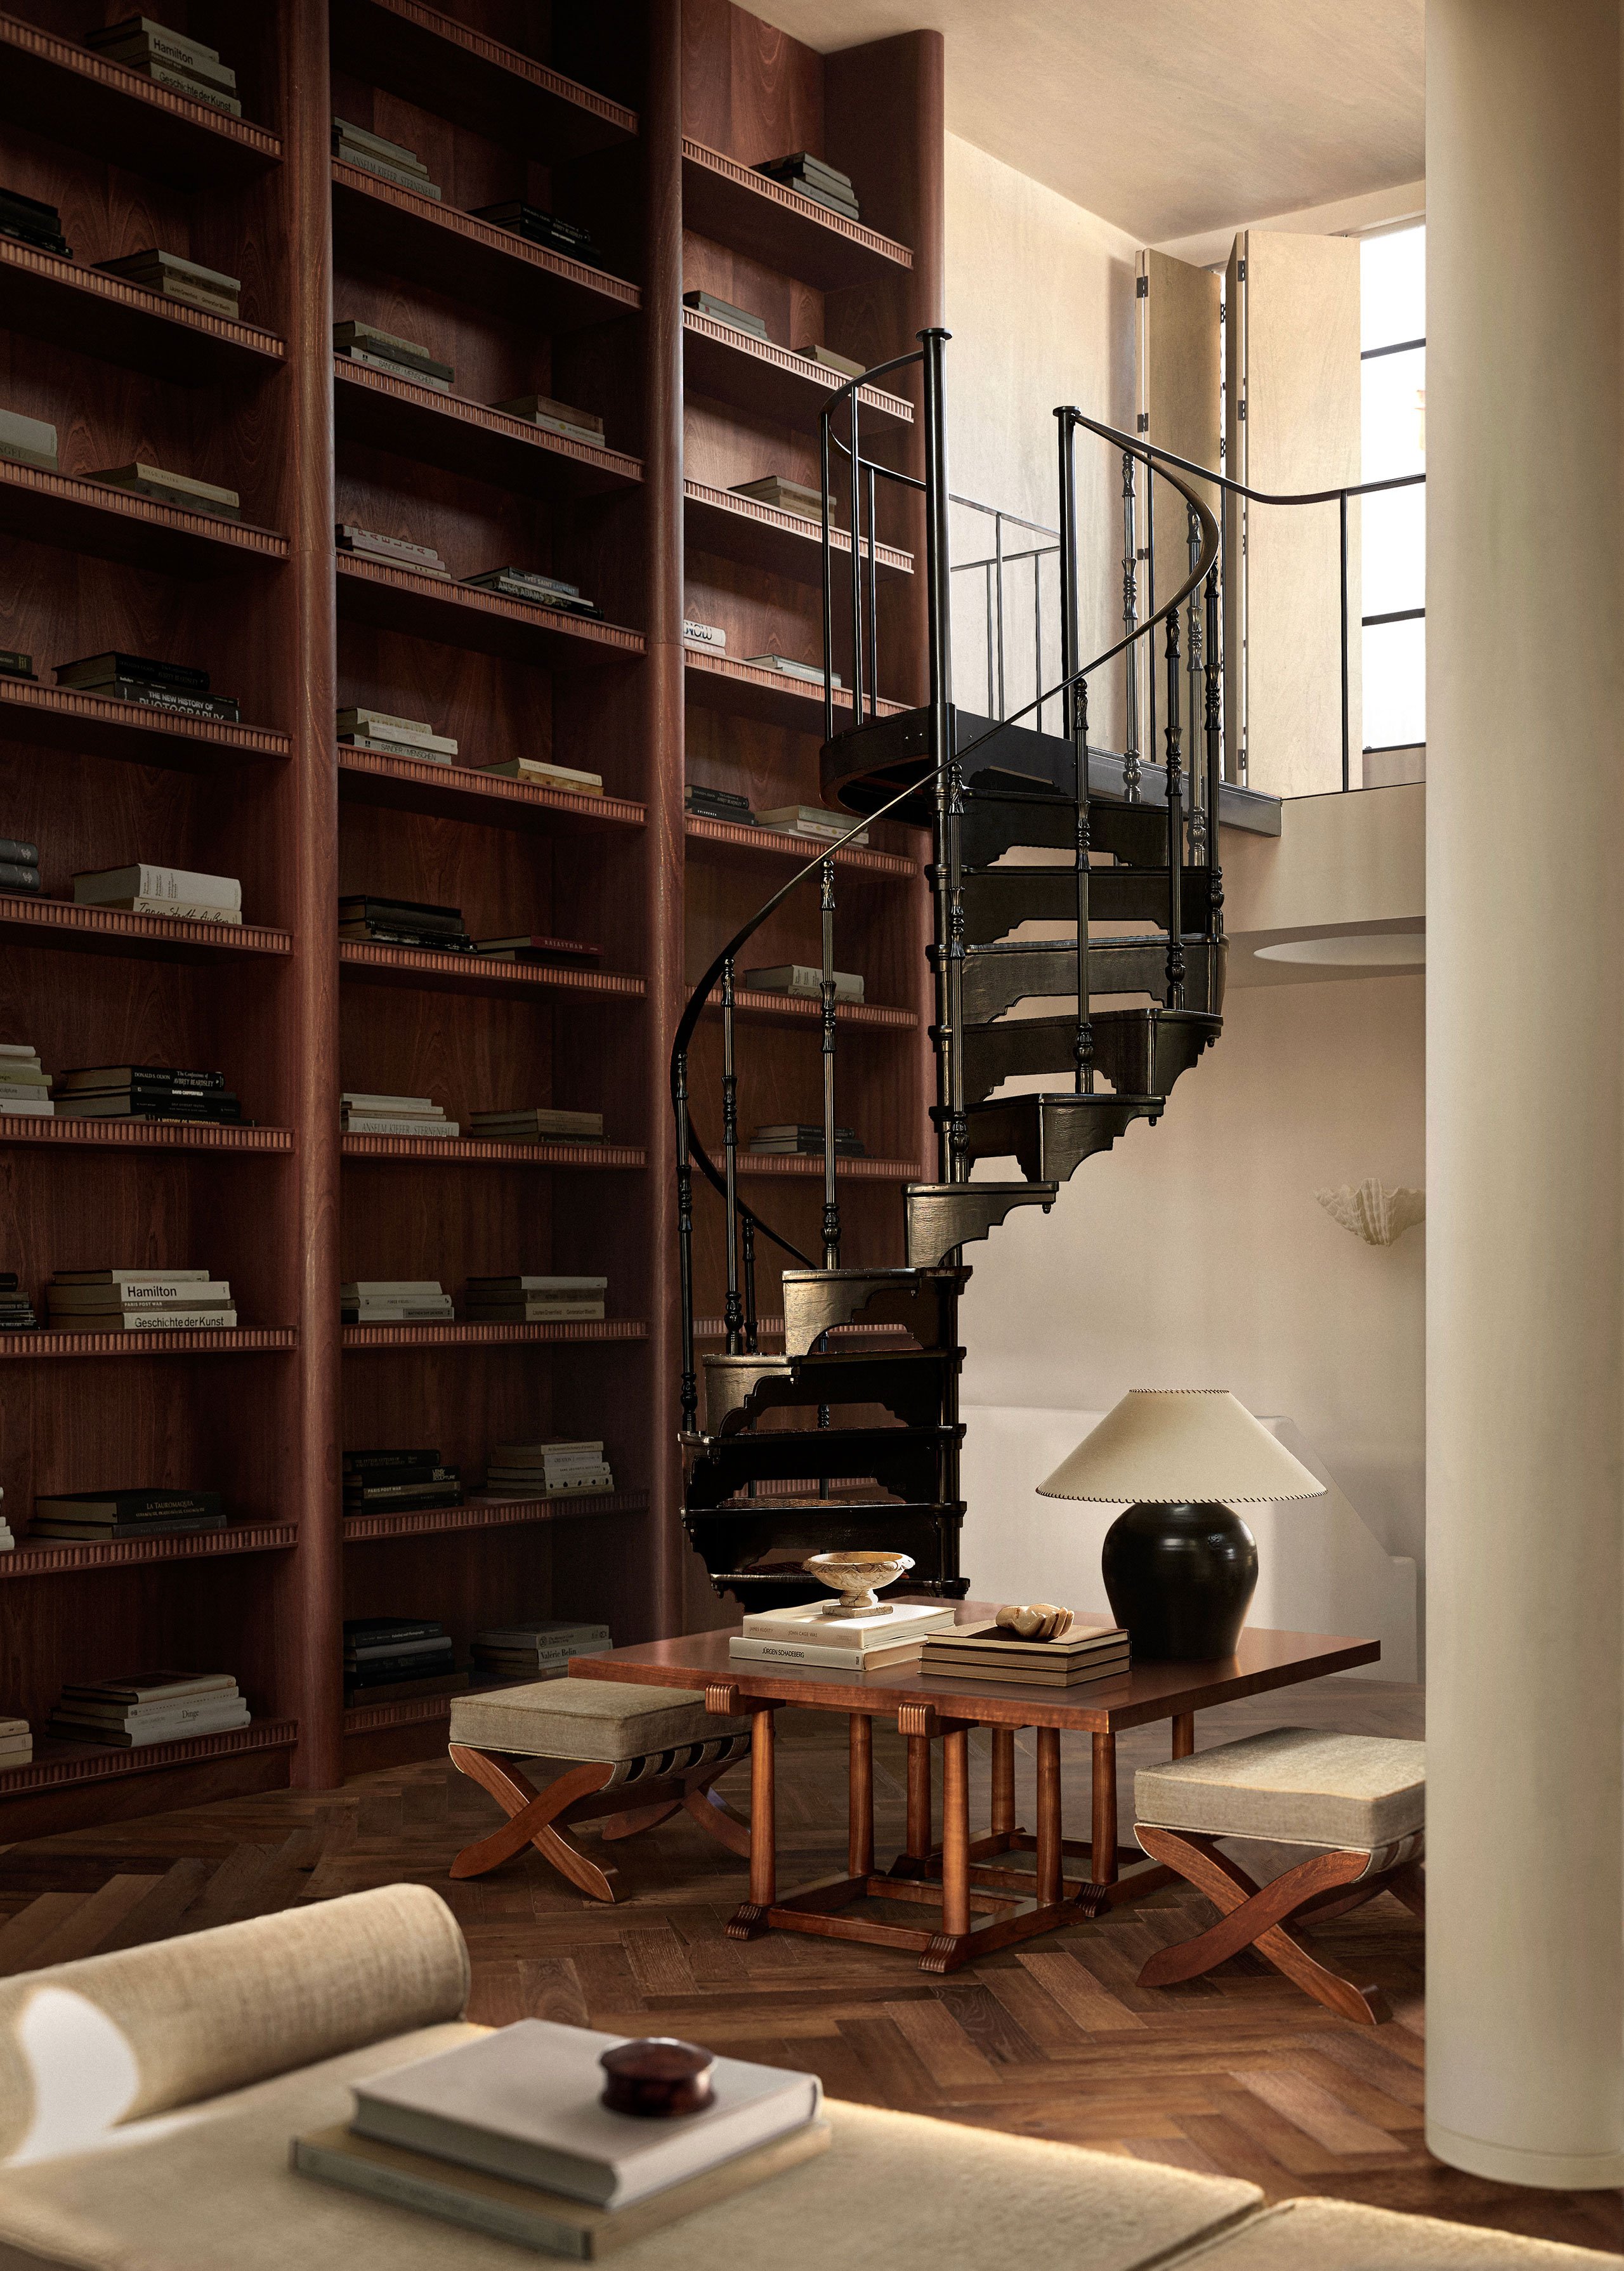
<point x="786" y="667"/>
<point x="92" y="1533"/>
<point x="383" y="1672"/>
<point x="558" y="1287"/>
<point x="370" y="359"/>
<point x="398" y="729"/>
<point x="147" y="1321"/>
<point x="164" y="1280"/>
<point x="404" y="1691"/>
<point x="523" y="2102"/>
<point x="520" y="583"/>
<point x="170" y="1710"/>
<point x="829" y="360"/>
<point x="567" y="778"/>
<point x="172" y="488"/>
<point x="906" y="1653"/>
<point x="97" y="1079"/>
<point x="172" y="278"/>
<point x="212" y="1293"/>
<point x="422" y="914"/>
<point x="1081" y="1640"/>
<point x="180" y="79"/>
<point x="803" y="161"/>
<point x="538" y="227"/>
<point x="422" y="1104"/>
<point x="801" y="977"/>
<point x="368" y="543"/>
<point x="15" y="664"/>
<point x="159" y="45"/>
<point x="397" y="152"/>
<point x="127" y="1506"/>
<point x="723" y="311"/>
<point x="136" y="1104"/>
<point x="726" y="799"/>
<point x="706" y="635"/>
<point x="532" y="946"/>
<point x="223" y="706"/>
<point x="786" y="495"/>
<point x="540" y="1121"/>
<point x="376" y="1123"/>
<point x="94" y="669"/>
<point x="351" y="153"/>
<point x="811" y="820"/>
<point x="390" y="347"/>
<point x="854" y="1635"/>
<point x="368" y="1650"/>
<point x="382" y="1628"/>
<point x="391" y="1289"/>
<point x="558" y="419"/>
<point x="221" y="1722"/>
<point x="27" y="441"/>
<point x="106" y="886"/>
<point x="149" y="1687"/>
<point x="957" y="1667"/>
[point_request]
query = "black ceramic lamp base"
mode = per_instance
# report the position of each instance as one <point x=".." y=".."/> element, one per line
<point x="1180" y="1580"/>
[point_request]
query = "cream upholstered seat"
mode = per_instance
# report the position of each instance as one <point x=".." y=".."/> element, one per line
<point x="1338" y="2235"/>
<point x="607" y="1720"/>
<point x="1293" y="1786"/>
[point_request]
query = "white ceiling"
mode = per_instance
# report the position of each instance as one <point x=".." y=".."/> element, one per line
<point x="1168" y="116"/>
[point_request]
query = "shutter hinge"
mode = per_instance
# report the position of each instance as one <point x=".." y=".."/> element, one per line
<point x="1240" y="271"/>
<point x="1240" y="409"/>
<point x="1142" y="287"/>
<point x="1143" y="424"/>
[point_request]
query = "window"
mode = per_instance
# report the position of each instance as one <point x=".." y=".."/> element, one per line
<point x="1393" y="526"/>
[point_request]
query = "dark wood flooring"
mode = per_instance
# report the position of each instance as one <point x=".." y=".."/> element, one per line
<point x="1238" y="2073"/>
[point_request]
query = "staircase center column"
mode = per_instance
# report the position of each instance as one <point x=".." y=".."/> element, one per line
<point x="1525" y="1093"/>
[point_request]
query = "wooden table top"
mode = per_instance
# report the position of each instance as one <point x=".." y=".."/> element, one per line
<point x="1145" y="1692"/>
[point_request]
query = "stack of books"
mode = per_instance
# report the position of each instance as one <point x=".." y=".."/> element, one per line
<point x="98" y="1516"/>
<point x="522" y="1300"/>
<point x="16" y="1309"/>
<point x="144" y="888"/>
<point x="786" y="496"/>
<point x="830" y="360"/>
<point x="391" y="161"/>
<point x="171" y="277"/>
<point x="709" y="636"/>
<point x="396" y="1301"/>
<point x="384" y="351"/>
<point x="978" y="1652"/>
<point x="539" y="1123"/>
<point x="546" y="775"/>
<point x="394" y="1115"/>
<point x="538" y="1651"/>
<point x="723" y="311"/>
<point x="8" y="1545"/>
<point x="157" y="685"/>
<point x="396" y="737"/>
<point x="146" y="1092"/>
<point x="535" y="946"/>
<point x="541" y="227"/>
<point x="389" y="1482"/>
<point x="718" y="804"/>
<point x="16" y="1744"/>
<point x="138" y="1707"/>
<point x="15" y="664"/>
<point x="812" y="673"/>
<point x="390" y="1659"/>
<point x="391" y="551"/>
<point x="551" y="1469"/>
<point x="404" y="922"/>
<point x="27" y="441"/>
<point x="25" y="1084"/>
<point x="556" y="417"/>
<point x="156" y="482"/>
<point x="170" y="59"/>
<point x="138" y="1302"/>
<point x="801" y="977"/>
<point x="810" y="820"/>
<point x="19" y="870"/>
<point x="32" y="222"/>
<point x="871" y="1643"/>
<point x="540" y="590"/>
<point x="814" y="178"/>
<point x="801" y="1137"/>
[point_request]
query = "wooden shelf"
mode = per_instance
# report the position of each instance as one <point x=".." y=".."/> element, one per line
<point x="446" y="250"/>
<point x="51" y="86"/>
<point x="458" y="74"/>
<point x="765" y="381"/>
<point x="56" y="300"/>
<point x="480" y="1513"/>
<point x="27" y="921"/>
<point x="462" y="436"/>
<point x="55" y="1763"/>
<point x="744" y="209"/>
<point x="70" y="1557"/>
<point x="236" y="1340"/>
<point x="92" y="725"/>
<point x="86" y="516"/>
<point x="857" y="1171"/>
<point x="142" y="1135"/>
<point x="489" y="1150"/>
<point x="465" y="615"/>
<point x="741" y="691"/>
<point x="605" y="1329"/>
<point x="796" y="1010"/>
<point x="771" y="1329"/>
<point x="431" y="972"/>
<point x="780" y="543"/>
<point x="416" y="1712"/>
<point x="735" y="840"/>
<point x="463" y="793"/>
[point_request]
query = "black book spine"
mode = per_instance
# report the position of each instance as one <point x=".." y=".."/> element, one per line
<point x="361" y="1463"/>
<point x="380" y="1634"/>
<point x="145" y="670"/>
<point x="18" y="878"/>
<point x="396" y="1478"/>
<point x="402" y="1667"/>
<point x="20" y="855"/>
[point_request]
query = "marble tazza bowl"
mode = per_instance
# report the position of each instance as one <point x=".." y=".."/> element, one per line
<point x="856" y="1577"/>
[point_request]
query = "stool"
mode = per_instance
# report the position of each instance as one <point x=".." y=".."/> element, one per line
<point x="1361" y="1798"/>
<point x="603" y="1742"/>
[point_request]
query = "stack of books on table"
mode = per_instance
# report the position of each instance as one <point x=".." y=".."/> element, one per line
<point x="804" y="979"/>
<point x="506" y="2135"/>
<point x="811" y="820"/>
<point x="98" y="1516"/>
<point x="16" y="1309"/>
<point x="396" y="737"/>
<point x="711" y="636"/>
<point x="391" y="161"/>
<point x="187" y="281"/>
<point x="977" y="1652"/>
<point x="138" y="1707"/>
<point x="522" y="1300"/>
<point x="33" y="222"/>
<point x="170" y="59"/>
<point x="723" y="311"/>
<point x="16" y="1744"/>
<point x="540" y="590"/>
<point x="391" y="1659"/>
<point x="156" y="685"/>
<point x="165" y="487"/>
<point x="814" y="178"/>
<point x="27" y="441"/>
<point x="397" y="1482"/>
<point x="394" y="1115"/>
<point x="538" y="227"/>
<point x="396" y="1301"/>
<point x="138" y="1302"/>
<point x="386" y="351"/>
<point x="817" y="353"/>
<point x="556" y="417"/>
<point x="881" y="1642"/>
<point x="25" y="1084"/>
<point x="804" y="1137"/>
<point x="538" y="1651"/>
<point x="551" y="1469"/>
<point x="784" y="495"/>
<point x="539" y="1123"/>
<point x="546" y="775"/>
<point x="718" y="804"/>
<point x="146" y="888"/>
<point x="404" y="922"/>
<point x="536" y="946"/>
<point x="146" y="1092"/>
<point x="389" y="551"/>
<point x="810" y="673"/>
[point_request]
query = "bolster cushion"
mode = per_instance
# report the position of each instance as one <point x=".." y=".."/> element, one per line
<point x="1294" y="1785"/>
<point x="586" y="1719"/>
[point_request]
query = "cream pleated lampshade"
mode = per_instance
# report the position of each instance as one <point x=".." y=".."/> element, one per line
<point x="1177" y="1446"/>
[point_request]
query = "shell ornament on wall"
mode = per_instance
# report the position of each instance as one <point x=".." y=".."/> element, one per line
<point x="1373" y="1212"/>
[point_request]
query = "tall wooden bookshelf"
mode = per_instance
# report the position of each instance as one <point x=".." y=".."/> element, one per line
<point x="646" y="121"/>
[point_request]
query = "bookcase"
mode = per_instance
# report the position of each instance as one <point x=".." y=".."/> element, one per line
<point x="644" y="119"/>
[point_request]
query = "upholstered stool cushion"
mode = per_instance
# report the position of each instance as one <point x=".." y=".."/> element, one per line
<point x="1334" y="2235"/>
<point x="1294" y="1785"/>
<point x="587" y="1719"/>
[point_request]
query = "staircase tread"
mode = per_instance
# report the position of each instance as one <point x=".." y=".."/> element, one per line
<point x="779" y="1437"/>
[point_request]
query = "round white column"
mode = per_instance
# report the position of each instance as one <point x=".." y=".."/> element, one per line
<point x="1525" y="1093"/>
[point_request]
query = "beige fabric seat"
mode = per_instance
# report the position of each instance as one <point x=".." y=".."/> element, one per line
<point x="607" y="1720"/>
<point x="1293" y="1786"/>
<point x="1333" y="2235"/>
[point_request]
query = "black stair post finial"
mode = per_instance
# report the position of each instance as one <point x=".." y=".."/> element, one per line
<point x="832" y="1207"/>
<point x="685" y="1240"/>
<point x="734" y="1314"/>
<point x="1175" y="822"/>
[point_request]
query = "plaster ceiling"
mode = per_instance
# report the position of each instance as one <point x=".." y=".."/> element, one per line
<point x="1169" y="116"/>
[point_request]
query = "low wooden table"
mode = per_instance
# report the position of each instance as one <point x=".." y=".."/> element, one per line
<point x="963" y="1873"/>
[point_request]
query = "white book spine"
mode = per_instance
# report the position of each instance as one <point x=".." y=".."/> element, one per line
<point x="350" y="155"/>
<point x="143" y="1321"/>
<point x="143" y="880"/>
<point x="396" y="370"/>
<point x="838" y="1659"/>
<point x="182" y="84"/>
<point x="372" y="1124"/>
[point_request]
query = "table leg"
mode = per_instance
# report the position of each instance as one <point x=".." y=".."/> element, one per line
<point x="1183" y="1734"/>
<point x="1003" y="1822"/>
<point x="1103" y="1862"/>
<point x="954" y="1831"/>
<point x="860" y="1801"/>
<point x="750" y="1920"/>
<point x="919" y="1798"/>
<point x="1051" y="1857"/>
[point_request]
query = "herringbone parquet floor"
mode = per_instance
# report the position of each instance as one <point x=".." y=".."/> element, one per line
<point x="1237" y="2073"/>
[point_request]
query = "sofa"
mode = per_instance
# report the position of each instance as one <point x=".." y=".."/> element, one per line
<point x="147" y="2098"/>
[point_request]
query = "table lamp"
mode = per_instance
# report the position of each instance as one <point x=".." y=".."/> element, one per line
<point x="1180" y="1566"/>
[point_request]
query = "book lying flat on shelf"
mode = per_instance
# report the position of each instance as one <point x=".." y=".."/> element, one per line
<point x="172" y="278"/>
<point x="15" y="664"/>
<point x="405" y="922"/>
<point x="537" y="1651"/>
<point x="538" y="227"/>
<point x="381" y="1654"/>
<point x="899" y="1654"/>
<point x="25" y="1084"/>
<point x="33" y="222"/>
<point x="149" y="1707"/>
<point x="535" y="946"/>
<point x="539" y="1120"/>
<point x="146" y="888"/>
<point x="723" y="311"/>
<point x="145" y="1091"/>
<point x="138" y="1301"/>
<point x="391" y="161"/>
<point x="830" y="360"/>
<point x="801" y="977"/>
<point x="16" y="1743"/>
<point x="555" y="418"/>
<point x="787" y="667"/>
<point x="389" y="551"/>
<point x="785" y="496"/>
<point x="803" y="1138"/>
<point x="157" y="482"/>
<point x="27" y="441"/>
<point x="540" y="590"/>
<point x="706" y="635"/>
<point x="536" y="1301"/>
<point x="395" y="1301"/>
<point x="400" y="737"/>
<point x="386" y="351"/>
<point x="548" y="1468"/>
<point x="16" y="1310"/>
<point x="567" y="778"/>
<point x="138" y="678"/>
<point x="814" y="177"/>
<point x="717" y="803"/>
<point x="811" y="820"/>
<point x="169" y="58"/>
<point x="126" y="1513"/>
<point x="1093" y="1652"/>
